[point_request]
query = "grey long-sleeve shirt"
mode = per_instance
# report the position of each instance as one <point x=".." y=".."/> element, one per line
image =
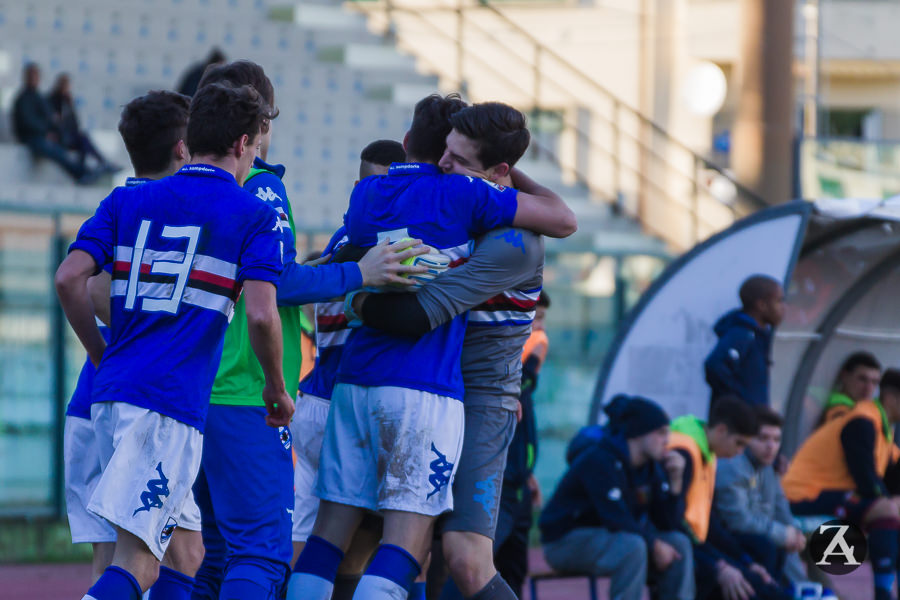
<point x="750" y="499"/>
<point x="506" y="268"/>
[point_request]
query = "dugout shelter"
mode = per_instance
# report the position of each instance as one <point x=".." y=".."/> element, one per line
<point x="840" y="263"/>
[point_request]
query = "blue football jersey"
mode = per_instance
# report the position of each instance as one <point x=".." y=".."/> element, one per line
<point x="80" y="403"/>
<point x="181" y="247"/>
<point x="331" y="335"/>
<point x="444" y="211"/>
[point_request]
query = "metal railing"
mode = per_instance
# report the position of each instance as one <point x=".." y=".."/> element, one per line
<point x="622" y="156"/>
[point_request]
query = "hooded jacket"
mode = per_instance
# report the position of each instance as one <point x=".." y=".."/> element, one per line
<point x="602" y="489"/>
<point x="739" y="363"/>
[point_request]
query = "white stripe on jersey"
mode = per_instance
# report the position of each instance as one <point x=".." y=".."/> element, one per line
<point x="205" y="299"/>
<point x="329" y="339"/>
<point x="507" y="317"/>
<point x="501" y="317"/>
<point x="337" y="337"/>
<point x="145" y="289"/>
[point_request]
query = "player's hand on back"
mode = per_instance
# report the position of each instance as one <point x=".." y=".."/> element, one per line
<point x="381" y="265"/>
<point x="279" y="406"/>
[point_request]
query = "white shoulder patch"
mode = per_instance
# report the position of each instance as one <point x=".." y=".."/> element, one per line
<point x="733" y="354"/>
<point x="615" y="494"/>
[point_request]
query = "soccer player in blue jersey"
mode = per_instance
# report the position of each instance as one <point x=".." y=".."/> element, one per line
<point x="394" y="433"/>
<point x="153" y="128"/>
<point x="247" y="520"/>
<point x="499" y="286"/>
<point x="183" y="249"/>
<point x="314" y="399"/>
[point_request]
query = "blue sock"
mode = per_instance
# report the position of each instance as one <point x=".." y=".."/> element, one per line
<point x="883" y="553"/>
<point x="390" y="574"/>
<point x="115" y="584"/>
<point x="315" y="571"/>
<point x="171" y="585"/>
<point x="418" y="591"/>
<point x="253" y="578"/>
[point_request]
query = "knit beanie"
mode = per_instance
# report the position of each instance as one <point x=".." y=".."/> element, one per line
<point x="640" y="416"/>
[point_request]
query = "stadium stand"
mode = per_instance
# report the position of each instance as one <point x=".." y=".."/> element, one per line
<point x="338" y="86"/>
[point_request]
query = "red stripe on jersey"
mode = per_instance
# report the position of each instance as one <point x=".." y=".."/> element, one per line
<point x="504" y="300"/>
<point x="224" y="282"/>
<point x="328" y="320"/>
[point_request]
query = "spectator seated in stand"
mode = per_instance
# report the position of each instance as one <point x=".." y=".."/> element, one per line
<point x="34" y="126"/>
<point x="71" y="136"/>
<point x="752" y="504"/>
<point x="617" y="510"/>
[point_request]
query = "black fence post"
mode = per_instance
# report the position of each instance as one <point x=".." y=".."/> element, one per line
<point x="58" y="248"/>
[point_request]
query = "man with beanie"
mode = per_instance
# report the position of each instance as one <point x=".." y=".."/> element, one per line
<point x="616" y="511"/>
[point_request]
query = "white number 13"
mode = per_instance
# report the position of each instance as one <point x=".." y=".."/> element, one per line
<point x="181" y="270"/>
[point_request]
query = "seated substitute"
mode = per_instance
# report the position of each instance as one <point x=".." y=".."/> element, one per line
<point x="616" y="511"/>
<point x="845" y="468"/>
<point x="857" y="380"/>
<point x="752" y="504"/>
<point x="722" y="568"/>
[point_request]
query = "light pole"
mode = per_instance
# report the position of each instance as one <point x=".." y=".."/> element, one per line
<point x="812" y="29"/>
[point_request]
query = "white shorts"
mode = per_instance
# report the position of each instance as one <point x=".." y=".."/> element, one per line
<point x="307" y="430"/>
<point x="149" y="463"/>
<point x="390" y="448"/>
<point x="82" y="472"/>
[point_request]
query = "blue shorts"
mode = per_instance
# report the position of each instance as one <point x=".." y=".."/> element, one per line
<point x="245" y="488"/>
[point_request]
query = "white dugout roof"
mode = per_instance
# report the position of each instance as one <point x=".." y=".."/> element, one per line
<point x="841" y="262"/>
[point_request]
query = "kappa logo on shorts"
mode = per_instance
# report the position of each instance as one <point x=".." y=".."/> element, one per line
<point x="168" y="530"/>
<point x="440" y="476"/>
<point x="155" y="489"/>
<point x="487" y="496"/>
<point x="513" y="238"/>
<point x="284" y="434"/>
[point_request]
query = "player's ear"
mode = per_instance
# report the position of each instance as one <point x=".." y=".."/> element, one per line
<point x="241" y="145"/>
<point x="180" y="151"/>
<point x="405" y="141"/>
<point x="498" y="171"/>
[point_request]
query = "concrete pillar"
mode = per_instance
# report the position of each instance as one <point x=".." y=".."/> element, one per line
<point x="764" y="131"/>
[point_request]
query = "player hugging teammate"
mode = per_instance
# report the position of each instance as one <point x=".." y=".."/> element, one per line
<point x="409" y="391"/>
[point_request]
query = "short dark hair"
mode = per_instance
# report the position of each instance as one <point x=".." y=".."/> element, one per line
<point x="735" y="414"/>
<point x="544" y="299"/>
<point x="382" y="153"/>
<point x="767" y="416"/>
<point x="860" y="359"/>
<point x="756" y="288"/>
<point x="499" y="130"/>
<point x="242" y="72"/>
<point x="221" y="114"/>
<point x="151" y="125"/>
<point x="890" y="380"/>
<point x="427" y="137"/>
